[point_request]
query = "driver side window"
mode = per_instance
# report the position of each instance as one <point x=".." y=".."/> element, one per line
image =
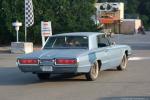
<point x="102" y="41"/>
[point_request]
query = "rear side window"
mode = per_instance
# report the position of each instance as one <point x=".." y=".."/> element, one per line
<point x="102" y="41"/>
<point x="67" y="42"/>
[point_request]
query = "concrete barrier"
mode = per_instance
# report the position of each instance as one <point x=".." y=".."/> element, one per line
<point x="21" y="47"/>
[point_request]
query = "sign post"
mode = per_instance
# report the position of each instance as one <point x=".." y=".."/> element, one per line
<point x="17" y="25"/>
<point x="46" y="31"/>
<point x="20" y="47"/>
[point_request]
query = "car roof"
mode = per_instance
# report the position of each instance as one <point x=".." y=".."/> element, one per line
<point x="80" y="34"/>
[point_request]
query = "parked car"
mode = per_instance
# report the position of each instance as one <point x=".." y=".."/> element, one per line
<point x="80" y="52"/>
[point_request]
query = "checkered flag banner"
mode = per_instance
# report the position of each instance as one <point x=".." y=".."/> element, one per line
<point x="29" y="16"/>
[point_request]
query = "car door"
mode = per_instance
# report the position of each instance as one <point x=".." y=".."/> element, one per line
<point x="111" y="53"/>
<point x="115" y="54"/>
<point x="104" y="53"/>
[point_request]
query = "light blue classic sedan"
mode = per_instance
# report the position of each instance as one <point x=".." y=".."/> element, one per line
<point x="80" y="52"/>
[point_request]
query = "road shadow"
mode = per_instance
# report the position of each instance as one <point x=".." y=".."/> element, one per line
<point x="111" y="70"/>
<point x="67" y="78"/>
<point x="127" y="98"/>
<point x="13" y="76"/>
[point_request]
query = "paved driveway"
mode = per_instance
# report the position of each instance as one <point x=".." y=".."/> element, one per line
<point x="131" y="84"/>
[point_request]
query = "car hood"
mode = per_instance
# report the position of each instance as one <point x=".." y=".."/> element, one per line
<point x="54" y="53"/>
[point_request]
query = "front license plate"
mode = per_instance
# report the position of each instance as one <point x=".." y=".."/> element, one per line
<point x="47" y="68"/>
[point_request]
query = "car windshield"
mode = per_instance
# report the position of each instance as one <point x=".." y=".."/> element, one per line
<point x="67" y="42"/>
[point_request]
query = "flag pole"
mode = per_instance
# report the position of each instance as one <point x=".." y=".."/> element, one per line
<point x="25" y="33"/>
<point x="25" y="23"/>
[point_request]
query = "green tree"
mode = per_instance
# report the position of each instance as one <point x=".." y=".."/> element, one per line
<point x="145" y="12"/>
<point x="66" y="16"/>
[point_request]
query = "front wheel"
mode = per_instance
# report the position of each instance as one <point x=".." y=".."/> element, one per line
<point x="43" y="76"/>
<point x="123" y="64"/>
<point x="93" y="74"/>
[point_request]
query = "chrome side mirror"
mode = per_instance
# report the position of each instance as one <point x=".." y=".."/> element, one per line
<point x="113" y="43"/>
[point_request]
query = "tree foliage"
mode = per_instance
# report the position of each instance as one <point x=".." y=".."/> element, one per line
<point x="65" y="15"/>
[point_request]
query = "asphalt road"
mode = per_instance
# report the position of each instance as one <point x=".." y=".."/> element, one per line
<point x="131" y="84"/>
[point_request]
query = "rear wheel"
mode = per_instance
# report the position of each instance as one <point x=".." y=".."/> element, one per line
<point x="123" y="64"/>
<point x="94" y="71"/>
<point x="43" y="76"/>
